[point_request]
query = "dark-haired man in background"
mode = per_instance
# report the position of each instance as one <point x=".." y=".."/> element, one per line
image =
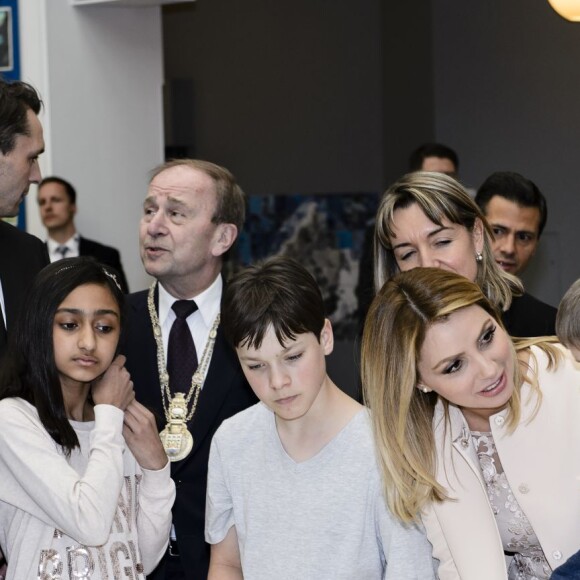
<point x="434" y="157"/>
<point x="21" y="142"/>
<point x="517" y="212"/>
<point x="57" y="204"/>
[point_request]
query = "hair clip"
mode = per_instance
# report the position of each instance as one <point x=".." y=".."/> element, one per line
<point x="113" y="277"/>
<point x="64" y="268"/>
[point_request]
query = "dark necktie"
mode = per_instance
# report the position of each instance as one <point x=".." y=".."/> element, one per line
<point x="181" y="354"/>
<point x="62" y="250"/>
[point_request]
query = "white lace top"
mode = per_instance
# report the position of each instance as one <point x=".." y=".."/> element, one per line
<point x="517" y="535"/>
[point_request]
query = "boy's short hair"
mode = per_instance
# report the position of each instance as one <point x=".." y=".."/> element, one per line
<point x="277" y="292"/>
<point x="568" y="317"/>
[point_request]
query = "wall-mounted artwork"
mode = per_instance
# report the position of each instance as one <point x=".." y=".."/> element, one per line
<point x="325" y="233"/>
<point x="6" y="40"/>
<point x="10" y="67"/>
<point x="9" y="47"/>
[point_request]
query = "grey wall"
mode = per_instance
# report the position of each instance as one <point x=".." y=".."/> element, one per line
<point x="407" y="81"/>
<point x="312" y="95"/>
<point x="507" y="88"/>
<point x="287" y="95"/>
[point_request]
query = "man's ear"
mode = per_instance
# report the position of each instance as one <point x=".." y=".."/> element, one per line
<point x="327" y="337"/>
<point x="225" y="236"/>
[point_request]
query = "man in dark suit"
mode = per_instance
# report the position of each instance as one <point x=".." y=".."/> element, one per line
<point x="21" y="142"/>
<point x="517" y="212"/>
<point x="193" y="213"/>
<point x="57" y="205"/>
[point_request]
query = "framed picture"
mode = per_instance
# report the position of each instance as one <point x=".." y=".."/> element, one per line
<point x="9" y="40"/>
<point x="10" y="67"/>
<point x="6" y="39"/>
<point x="324" y="232"/>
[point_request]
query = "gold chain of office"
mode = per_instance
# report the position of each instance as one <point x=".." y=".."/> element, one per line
<point x="176" y="438"/>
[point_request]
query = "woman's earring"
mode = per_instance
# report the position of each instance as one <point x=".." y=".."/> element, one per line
<point x="425" y="389"/>
<point x="478" y="257"/>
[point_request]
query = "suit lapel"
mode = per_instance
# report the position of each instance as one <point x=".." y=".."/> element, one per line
<point x="218" y="384"/>
<point x="12" y="283"/>
<point x="12" y="289"/>
<point x="143" y="358"/>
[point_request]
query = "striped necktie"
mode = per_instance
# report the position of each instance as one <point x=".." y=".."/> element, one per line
<point x="62" y="250"/>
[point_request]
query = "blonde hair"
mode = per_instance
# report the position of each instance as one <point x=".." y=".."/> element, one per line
<point x="402" y="416"/>
<point x="568" y="317"/>
<point x="439" y="197"/>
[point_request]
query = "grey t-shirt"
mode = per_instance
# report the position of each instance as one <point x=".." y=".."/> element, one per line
<point x="324" y="518"/>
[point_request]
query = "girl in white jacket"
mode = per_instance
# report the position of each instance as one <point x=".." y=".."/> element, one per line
<point x="85" y="488"/>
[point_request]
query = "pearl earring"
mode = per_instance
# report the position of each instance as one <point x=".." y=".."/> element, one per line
<point x="425" y="389"/>
<point x="478" y="257"/>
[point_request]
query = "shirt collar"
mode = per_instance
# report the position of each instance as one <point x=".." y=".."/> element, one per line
<point x="208" y="302"/>
<point x="72" y="243"/>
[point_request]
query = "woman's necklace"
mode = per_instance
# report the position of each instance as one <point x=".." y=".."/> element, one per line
<point x="176" y="438"/>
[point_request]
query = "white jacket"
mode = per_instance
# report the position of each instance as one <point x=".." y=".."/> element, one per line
<point x="541" y="460"/>
<point x="92" y="515"/>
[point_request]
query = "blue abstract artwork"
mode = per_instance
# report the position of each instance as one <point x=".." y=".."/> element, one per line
<point x="325" y="233"/>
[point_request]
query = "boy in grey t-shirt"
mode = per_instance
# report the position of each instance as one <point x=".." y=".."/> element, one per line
<point x="293" y="490"/>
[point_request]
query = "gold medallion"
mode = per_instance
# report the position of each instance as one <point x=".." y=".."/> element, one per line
<point x="176" y="439"/>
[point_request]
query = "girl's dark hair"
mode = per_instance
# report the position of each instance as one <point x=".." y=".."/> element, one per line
<point x="28" y="369"/>
<point x="277" y="292"/>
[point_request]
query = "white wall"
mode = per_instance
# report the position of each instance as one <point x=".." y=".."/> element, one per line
<point x="99" y="70"/>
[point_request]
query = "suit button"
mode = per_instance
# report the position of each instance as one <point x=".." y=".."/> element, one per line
<point x="523" y="488"/>
<point x="499" y="421"/>
<point x="557" y="555"/>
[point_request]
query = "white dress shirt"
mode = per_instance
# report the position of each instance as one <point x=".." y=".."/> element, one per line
<point x="72" y="245"/>
<point x="200" y="322"/>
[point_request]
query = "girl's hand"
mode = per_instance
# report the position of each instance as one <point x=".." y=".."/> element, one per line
<point x="140" y="432"/>
<point x="115" y="386"/>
